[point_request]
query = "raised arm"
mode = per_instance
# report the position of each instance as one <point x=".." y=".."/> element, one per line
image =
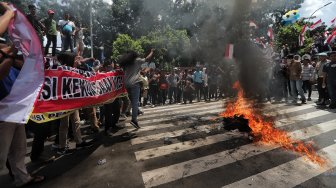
<point x="6" y="17"/>
<point x="150" y="55"/>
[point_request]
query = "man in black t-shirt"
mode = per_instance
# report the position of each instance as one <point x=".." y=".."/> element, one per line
<point x="329" y="79"/>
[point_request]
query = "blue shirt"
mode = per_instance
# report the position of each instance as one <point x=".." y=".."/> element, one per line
<point x="7" y="83"/>
<point x="198" y="77"/>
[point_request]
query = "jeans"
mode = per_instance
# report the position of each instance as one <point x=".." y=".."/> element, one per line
<point x="51" y="39"/>
<point x="307" y="86"/>
<point x="172" y="93"/>
<point x="112" y="114"/>
<point x="13" y="146"/>
<point x="134" y="94"/>
<point x="199" y="90"/>
<point x="296" y="85"/>
<point x="321" y="91"/>
<point x="67" y="43"/>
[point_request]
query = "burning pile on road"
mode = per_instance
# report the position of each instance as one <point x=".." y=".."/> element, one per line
<point x="242" y="113"/>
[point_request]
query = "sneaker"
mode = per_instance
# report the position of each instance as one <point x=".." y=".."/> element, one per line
<point x="64" y="151"/>
<point x="309" y="99"/>
<point x="123" y="116"/>
<point x="153" y="106"/>
<point x="303" y="102"/>
<point x="44" y="159"/>
<point x="140" y="112"/>
<point x="84" y="145"/>
<point x="332" y="106"/>
<point x="135" y="124"/>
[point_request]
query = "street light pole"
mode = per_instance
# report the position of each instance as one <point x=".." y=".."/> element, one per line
<point x="311" y="16"/>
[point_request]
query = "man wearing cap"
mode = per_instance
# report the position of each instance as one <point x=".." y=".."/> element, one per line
<point x="323" y="57"/>
<point x="51" y="32"/>
<point x="307" y="75"/>
<point x="329" y="79"/>
<point x="295" y="76"/>
<point x="34" y="21"/>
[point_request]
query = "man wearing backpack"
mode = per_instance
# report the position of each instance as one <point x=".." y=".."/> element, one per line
<point x="67" y="29"/>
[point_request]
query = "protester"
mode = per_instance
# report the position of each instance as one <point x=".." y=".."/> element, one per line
<point x="307" y="75"/>
<point x="35" y="22"/>
<point x="329" y="79"/>
<point x="51" y="32"/>
<point x="13" y="144"/>
<point x="145" y="86"/>
<point x="188" y="91"/>
<point x="295" y="73"/>
<point x="67" y="29"/>
<point x="79" y="36"/>
<point x="198" y="82"/>
<point x="131" y="63"/>
<point x="322" y="92"/>
<point x="71" y="60"/>
<point x="173" y="80"/>
<point x="163" y="88"/>
<point x="154" y="88"/>
<point x="205" y="84"/>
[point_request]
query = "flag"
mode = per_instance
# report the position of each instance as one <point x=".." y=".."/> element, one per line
<point x="333" y="23"/>
<point x="316" y="25"/>
<point x="18" y="104"/>
<point x="270" y="33"/>
<point x="331" y="37"/>
<point x="229" y="51"/>
<point x="253" y="24"/>
<point x="303" y="32"/>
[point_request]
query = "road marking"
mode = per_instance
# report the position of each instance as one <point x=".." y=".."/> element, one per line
<point x="172" y="134"/>
<point x="289" y="174"/>
<point x="192" y="167"/>
<point x="180" y="106"/>
<point x="192" y="144"/>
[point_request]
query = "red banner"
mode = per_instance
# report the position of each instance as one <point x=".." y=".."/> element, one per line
<point x="66" y="89"/>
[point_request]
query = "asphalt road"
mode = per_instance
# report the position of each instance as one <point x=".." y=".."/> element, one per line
<point x="185" y="146"/>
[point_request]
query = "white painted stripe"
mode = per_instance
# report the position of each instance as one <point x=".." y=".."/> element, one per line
<point x="192" y="167"/>
<point x="180" y="111"/>
<point x="180" y="106"/>
<point x="184" y="146"/>
<point x="179" y="147"/>
<point x="289" y="174"/>
<point x="172" y="134"/>
<point x="158" y="119"/>
<point x="284" y="122"/>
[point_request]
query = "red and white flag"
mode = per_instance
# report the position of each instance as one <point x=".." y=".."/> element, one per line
<point x="316" y="25"/>
<point x="229" y="51"/>
<point x="333" y="23"/>
<point x="331" y="38"/>
<point x="303" y="32"/>
<point x="253" y="24"/>
<point x="270" y="33"/>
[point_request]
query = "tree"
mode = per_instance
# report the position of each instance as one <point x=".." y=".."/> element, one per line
<point x="124" y="43"/>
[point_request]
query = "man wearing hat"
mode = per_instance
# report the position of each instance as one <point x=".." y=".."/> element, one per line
<point x="323" y="57"/>
<point x="329" y="79"/>
<point x="295" y="76"/>
<point x="51" y="32"/>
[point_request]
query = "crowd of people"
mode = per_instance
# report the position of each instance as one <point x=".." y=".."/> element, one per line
<point x="295" y="75"/>
<point x="147" y="86"/>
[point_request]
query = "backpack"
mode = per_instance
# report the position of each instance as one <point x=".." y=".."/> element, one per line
<point x="66" y="28"/>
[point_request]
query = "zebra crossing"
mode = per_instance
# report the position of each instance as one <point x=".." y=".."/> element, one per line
<point x="200" y="153"/>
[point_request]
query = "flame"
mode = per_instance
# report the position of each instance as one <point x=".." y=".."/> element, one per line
<point x="263" y="127"/>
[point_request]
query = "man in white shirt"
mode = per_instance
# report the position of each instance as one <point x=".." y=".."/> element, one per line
<point x="67" y="29"/>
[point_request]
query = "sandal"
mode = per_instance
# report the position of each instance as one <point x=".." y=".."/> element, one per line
<point x="34" y="180"/>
